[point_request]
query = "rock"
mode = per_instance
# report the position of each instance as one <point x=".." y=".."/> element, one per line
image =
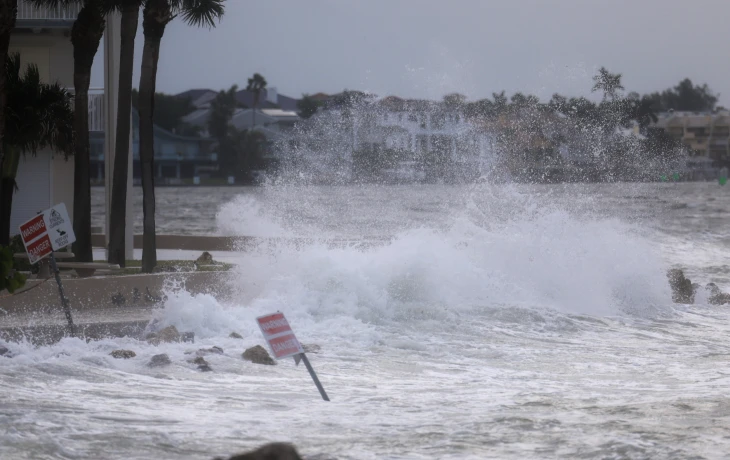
<point x="118" y="299"/>
<point x="682" y="290"/>
<point x="207" y="351"/>
<point x="188" y="337"/>
<point x="204" y="259"/>
<point x="5" y="352"/>
<point x="203" y="365"/>
<point x="123" y="354"/>
<point x="311" y="348"/>
<point x="169" y="334"/>
<point x="258" y="355"/>
<point x="272" y="451"/>
<point x="235" y="335"/>
<point x="159" y="361"/>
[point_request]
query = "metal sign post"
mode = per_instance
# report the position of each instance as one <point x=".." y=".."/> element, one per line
<point x="283" y="343"/>
<point x="64" y="300"/>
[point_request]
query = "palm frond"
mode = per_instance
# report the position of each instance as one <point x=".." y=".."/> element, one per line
<point x="200" y="12"/>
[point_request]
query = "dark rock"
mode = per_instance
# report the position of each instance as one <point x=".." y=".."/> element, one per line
<point x="188" y="337"/>
<point x="204" y="259"/>
<point x="159" y="361"/>
<point x="207" y="351"/>
<point x="151" y="298"/>
<point x="203" y="365"/>
<point x="311" y="348"/>
<point x="682" y="289"/>
<point x="5" y="352"/>
<point x="136" y="295"/>
<point x="123" y="354"/>
<point x="258" y="355"/>
<point x="273" y="451"/>
<point x="235" y="335"/>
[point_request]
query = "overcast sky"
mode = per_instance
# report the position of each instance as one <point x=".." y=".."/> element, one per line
<point x="427" y="48"/>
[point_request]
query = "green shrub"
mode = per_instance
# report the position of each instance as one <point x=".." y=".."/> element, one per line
<point x="10" y="279"/>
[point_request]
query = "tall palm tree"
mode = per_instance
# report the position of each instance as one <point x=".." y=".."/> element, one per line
<point x="118" y="217"/>
<point x="86" y="34"/>
<point x="256" y="84"/>
<point x="607" y="82"/>
<point x="157" y="14"/>
<point x="8" y="14"/>
<point x="37" y="116"/>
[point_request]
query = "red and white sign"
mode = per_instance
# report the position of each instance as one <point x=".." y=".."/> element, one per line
<point x="47" y="232"/>
<point x="279" y="335"/>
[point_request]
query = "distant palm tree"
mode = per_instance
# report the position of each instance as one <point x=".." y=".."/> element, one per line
<point x="37" y="116"/>
<point x="156" y="15"/>
<point x="256" y="84"/>
<point x="118" y="209"/>
<point x="607" y="82"/>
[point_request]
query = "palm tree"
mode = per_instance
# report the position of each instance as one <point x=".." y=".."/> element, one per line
<point x="86" y="35"/>
<point x="37" y="116"/>
<point x="607" y="82"/>
<point x="255" y="85"/>
<point x="8" y="14"/>
<point x="157" y="14"/>
<point x="118" y="217"/>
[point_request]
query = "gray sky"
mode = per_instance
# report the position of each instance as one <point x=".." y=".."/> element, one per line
<point x="427" y="48"/>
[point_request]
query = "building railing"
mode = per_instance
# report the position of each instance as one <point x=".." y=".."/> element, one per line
<point x="96" y="108"/>
<point x="26" y="11"/>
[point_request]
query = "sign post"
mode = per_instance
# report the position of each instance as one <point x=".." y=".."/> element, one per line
<point x="50" y="231"/>
<point x="283" y="343"/>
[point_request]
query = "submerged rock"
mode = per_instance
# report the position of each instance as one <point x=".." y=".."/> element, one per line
<point x="207" y="351"/>
<point x="123" y="354"/>
<point x="311" y="348"/>
<point x="258" y="355"/>
<point x="203" y="365"/>
<point x="717" y="297"/>
<point x="5" y="352"/>
<point x="682" y="289"/>
<point x="166" y="335"/>
<point x="235" y="335"/>
<point x="159" y="361"/>
<point x="188" y="337"/>
<point x="204" y="259"/>
<point x="272" y="451"/>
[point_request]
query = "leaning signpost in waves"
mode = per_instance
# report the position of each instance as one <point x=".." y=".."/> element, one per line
<point x="283" y="343"/>
<point x="50" y="231"/>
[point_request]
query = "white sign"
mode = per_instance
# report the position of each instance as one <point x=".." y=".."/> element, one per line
<point x="49" y="231"/>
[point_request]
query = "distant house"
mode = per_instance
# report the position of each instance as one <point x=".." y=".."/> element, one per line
<point x="268" y="99"/>
<point x="176" y="157"/>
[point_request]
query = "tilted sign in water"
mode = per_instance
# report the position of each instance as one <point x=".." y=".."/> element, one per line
<point x="49" y="231"/>
<point x="283" y="343"/>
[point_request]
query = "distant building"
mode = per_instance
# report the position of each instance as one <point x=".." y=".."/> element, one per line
<point x="176" y="157"/>
<point x="705" y="134"/>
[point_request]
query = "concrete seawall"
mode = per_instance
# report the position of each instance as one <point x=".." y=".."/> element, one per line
<point x="35" y="314"/>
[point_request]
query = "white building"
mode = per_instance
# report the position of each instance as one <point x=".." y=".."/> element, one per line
<point x="42" y="37"/>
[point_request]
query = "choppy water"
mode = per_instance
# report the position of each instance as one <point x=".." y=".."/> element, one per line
<point x="495" y="322"/>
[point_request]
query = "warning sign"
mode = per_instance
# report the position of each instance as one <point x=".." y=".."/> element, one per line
<point x="279" y="335"/>
<point x="49" y="231"/>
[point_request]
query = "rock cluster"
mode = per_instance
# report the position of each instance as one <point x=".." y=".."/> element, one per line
<point x="684" y="291"/>
<point x="258" y="355"/>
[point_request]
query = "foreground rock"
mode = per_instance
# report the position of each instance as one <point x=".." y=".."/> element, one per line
<point x="682" y="290"/>
<point x="258" y="355"/>
<point x="159" y="361"/>
<point x="167" y="335"/>
<point x="235" y="335"/>
<point x="716" y="297"/>
<point x="203" y="365"/>
<point x="5" y="352"/>
<point x="273" y="451"/>
<point x="123" y="354"/>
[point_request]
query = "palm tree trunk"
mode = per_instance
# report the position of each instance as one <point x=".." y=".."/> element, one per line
<point x="85" y="36"/>
<point x="9" y="167"/>
<point x="117" y="227"/>
<point x="157" y="14"/>
<point x="8" y="13"/>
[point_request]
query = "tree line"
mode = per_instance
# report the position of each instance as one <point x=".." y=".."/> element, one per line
<point x="48" y="119"/>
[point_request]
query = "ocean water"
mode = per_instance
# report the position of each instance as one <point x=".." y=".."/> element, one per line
<point x="487" y="322"/>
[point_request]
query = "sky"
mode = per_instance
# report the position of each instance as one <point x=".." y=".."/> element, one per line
<point x="428" y="48"/>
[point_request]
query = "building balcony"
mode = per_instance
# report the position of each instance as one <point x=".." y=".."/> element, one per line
<point x="58" y="17"/>
<point x="96" y="108"/>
